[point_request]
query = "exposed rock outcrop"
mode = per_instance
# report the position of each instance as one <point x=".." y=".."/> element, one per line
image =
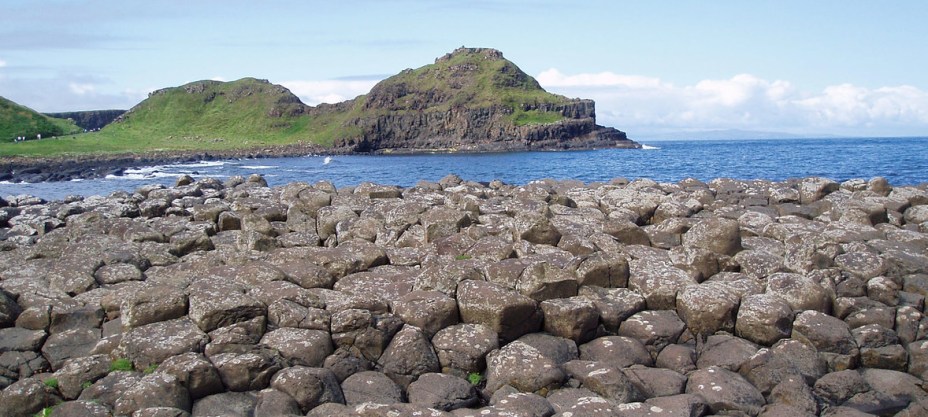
<point x="431" y="300"/>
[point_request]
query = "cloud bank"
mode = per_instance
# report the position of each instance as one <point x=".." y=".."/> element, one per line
<point x="745" y="102"/>
<point x="329" y="91"/>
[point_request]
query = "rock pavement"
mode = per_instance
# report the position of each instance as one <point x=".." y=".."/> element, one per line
<point x="455" y="298"/>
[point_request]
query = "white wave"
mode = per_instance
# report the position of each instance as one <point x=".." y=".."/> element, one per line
<point x="143" y="170"/>
<point x="148" y="176"/>
<point x="6" y="183"/>
<point x="649" y="147"/>
<point x="201" y="164"/>
<point x="259" y="166"/>
<point x="327" y="160"/>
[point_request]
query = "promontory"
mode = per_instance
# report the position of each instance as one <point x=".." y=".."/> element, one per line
<point x="470" y="100"/>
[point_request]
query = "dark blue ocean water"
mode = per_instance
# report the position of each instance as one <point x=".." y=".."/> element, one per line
<point x="903" y="161"/>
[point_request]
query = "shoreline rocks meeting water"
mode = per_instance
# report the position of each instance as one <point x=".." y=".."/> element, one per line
<point x="455" y="298"/>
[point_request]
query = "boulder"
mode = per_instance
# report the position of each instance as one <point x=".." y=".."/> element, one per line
<point x="155" y="390"/>
<point x="153" y="343"/>
<point x="504" y="311"/>
<point x="371" y="387"/>
<point x="409" y="356"/>
<point x="801" y="292"/>
<point x="717" y="235"/>
<point x="574" y="318"/>
<point x="310" y="387"/>
<point x="708" y="307"/>
<point x="654" y="328"/>
<point x="151" y="305"/>
<point x="430" y="311"/>
<point x="249" y="371"/>
<point x="725" y="391"/>
<point x="524" y="368"/>
<point x="605" y="380"/>
<point x="831" y="336"/>
<point x="442" y="392"/>
<point x="462" y="348"/>
<point x="195" y="372"/>
<point x="764" y="319"/>
<point x="300" y="346"/>
<point x="618" y="351"/>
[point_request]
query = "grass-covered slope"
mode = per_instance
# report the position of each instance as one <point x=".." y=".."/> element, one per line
<point x="17" y="120"/>
<point x="472" y="98"/>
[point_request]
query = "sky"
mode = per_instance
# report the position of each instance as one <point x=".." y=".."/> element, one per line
<point x="845" y="68"/>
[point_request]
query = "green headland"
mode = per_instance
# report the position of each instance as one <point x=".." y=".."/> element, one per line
<point x="470" y="99"/>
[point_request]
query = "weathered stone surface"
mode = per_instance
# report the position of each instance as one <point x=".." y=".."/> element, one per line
<point x="371" y="387"/>
<point x="68" y="344"/>
<point x="409" y="356"/>
<point x="231" y="404"/>
<point x="605" y="380"/>
<point x="613" y="304"/>
<point x="216" y="304"/>
<point x="430" y="311"/>
<point x="830" y="336"/>
<point x="310" y="387"/>
<point x="248" y="371"/>
<point x="708" y="307"/>
<point x="442" y="392"/>
<point x="155" y="390"/>
<point x="725" y="391"/>
<point x="801" y="292"/>
<point x="654" y="328"/>
<point x="153" y="343"/>
<point x="725" y="351"/>
<point x="574" y="318"/>
<point x="26" y="397"/>
<point x="195" y="372"/>
<point x="151" y="305"/>
<point x="462" y="348"/>
<point x="300" y="346"/>
<point x="787" y="359"/>
<point x="617" y="351"/>
<point x="506" y="312"/>
<point x="522" y="367"/>
<point x="764" y="319"/>
<point x="658" y="281"/>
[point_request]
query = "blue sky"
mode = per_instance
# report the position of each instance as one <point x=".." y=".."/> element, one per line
<point x="822" y="67"/>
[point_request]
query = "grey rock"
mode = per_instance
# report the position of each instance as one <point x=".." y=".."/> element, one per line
<point x="764" y="319"/>
<point x="830" y="336"/>
<point x="155" y="390"/>
<point x="617" y="351"/>
<point x="195" y="372"/>
<point x="605" y="380"/>
<point x="300" y="346"/>
<point x="430" y="311"/>
<point x="613" y="304"/>
<point x="708" y="307"/>
<point x="226" y="404"/>
<point x="504" y="311"/>
<point x="718" y="235"/>
<point x="26" y="397"/>
<point x="79" y="371"/>
<point x="371" y="387"/>
<point x="408" y="356"/>
<point x="248" y="371"/>
<point x="725" y="391"/>
<point x="725" y="351"/>
<point x="309" y="386"/>
<point x="271" y="402"/>
<point x="462" y="348"/>
<point x="575" y="318"/>
<point x="154" y="343"/>
<point x="68" y="344"/>
<point x="442" y="392"/>
<point x="654" y="328"/>
<point x="801" y="292"/>
<point x="787" y="359"/>
<point x="524" y="368"/>
<point x="151" y="305"/>
<point x="658" y="281"/>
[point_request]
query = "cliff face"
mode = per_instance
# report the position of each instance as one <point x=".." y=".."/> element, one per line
<point x="89" y="120"/>
<point x="473" y="99"/>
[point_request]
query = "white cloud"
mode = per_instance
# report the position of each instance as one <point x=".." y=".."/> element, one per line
<point x="745" y="101"/>
<point x="2" y="63"/>
<point x="82" y="88"/>
<point x="329" y="91"/>
<point x="219" y="78"/>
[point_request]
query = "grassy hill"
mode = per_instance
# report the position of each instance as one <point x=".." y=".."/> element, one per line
<point x="468" y="95"/>
<point x="17" y="120"/>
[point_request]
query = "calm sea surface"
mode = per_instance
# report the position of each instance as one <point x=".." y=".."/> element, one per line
<point x="903" y="161"/>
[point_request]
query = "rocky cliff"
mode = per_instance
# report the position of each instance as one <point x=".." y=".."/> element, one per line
<point x="472" y="99"/>
<point x="89" y="120"/>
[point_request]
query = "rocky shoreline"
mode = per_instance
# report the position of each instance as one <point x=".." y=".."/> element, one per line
<point x="71" y="167"/>
<point x="455" y="298"/>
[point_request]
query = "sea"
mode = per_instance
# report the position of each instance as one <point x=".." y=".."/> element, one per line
<point x="903" y="161"/>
